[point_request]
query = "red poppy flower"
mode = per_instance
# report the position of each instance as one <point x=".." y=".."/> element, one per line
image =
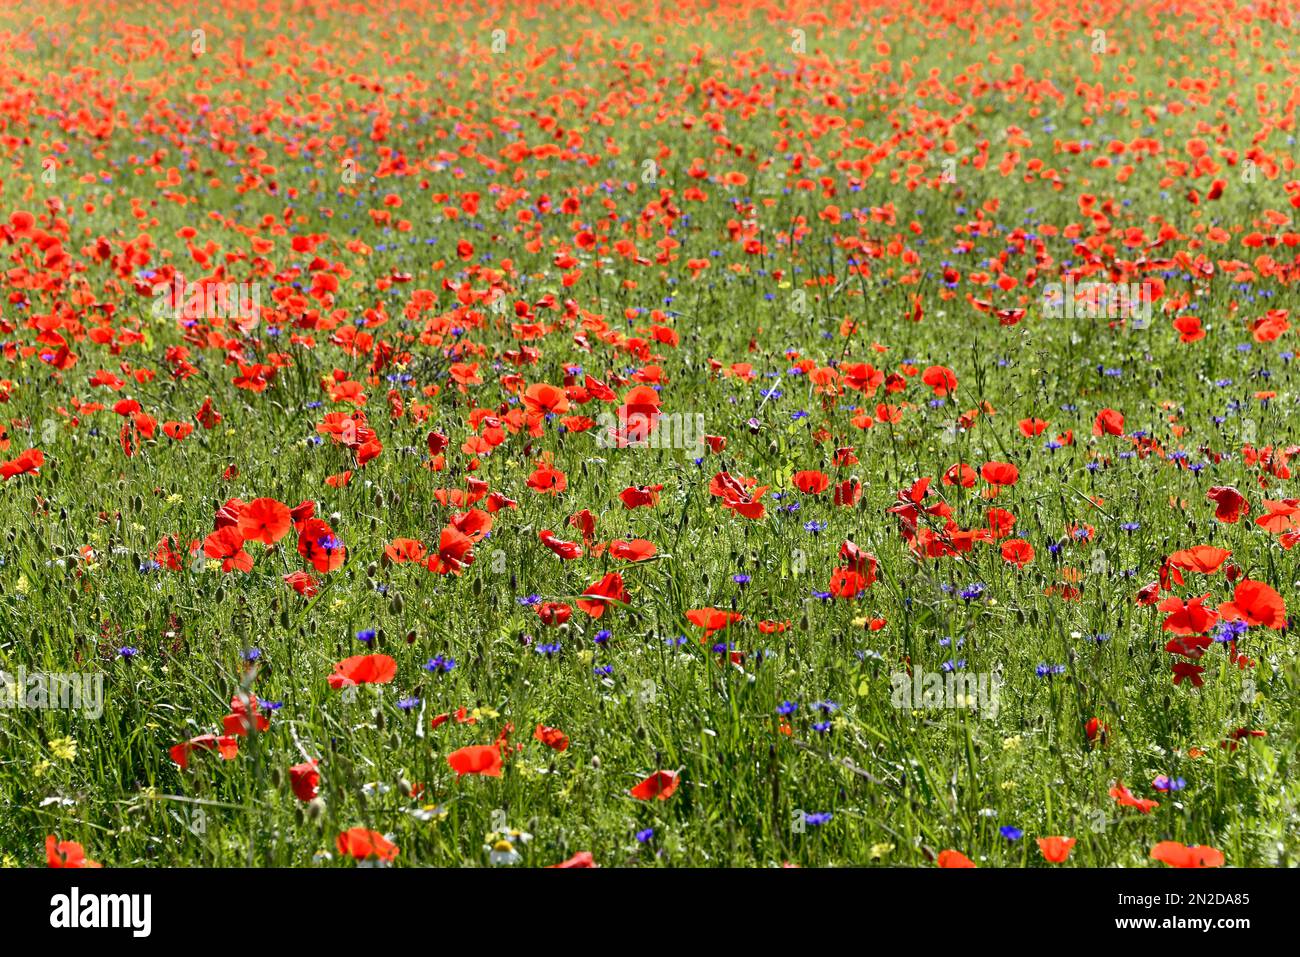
<point x="862" y="562"/>
<point x="553" y="738"/>
<point x="566" y="550"/>
<point x="363" y="669"/>
<point x="585" y="522"/>
<point x="1183" y="855"/>
<point x="1125" y="798"/>
<point x="1094" y="730"/>
<point x="544" y="399"/>
<point x="1185" y="671"/>
<point x="207" y="416"/>
<point x="959" y="474"/>
<point x="941" y="379"/>
<point x="1205" y="559"/>
<point x="548" y="480"/>
<point x="1018" y="552"/>
<point x="1056" y="850"/>
<point x="482" y="759"/>
<point x="598" y="595"/>
<point x="554" y="613"/>
<point x="659" y="785"/>
<point x="1108" y="422"/>
<point x="226" y="745"/>
<point x="455" y="553"/>
<point x="811" y="482"/>
<point x="1189" y="329"/>
<point x="403" y="550"/>
<point x="999" y="473"/>
<point x="244" y="715"/>
<point x="1229" y="504"/>
<point x="848" y="492"/>
<point x="227" y="546"/>
<point x="581" y="859"/>
<point x="363" y="845"/>
<point x="264" y="520"/>
<point x="318" y="545"/>
<point x="640" y="496"/>
<point x="1187" y="618"/>
<point x="67" y="854"/>
<point x="712" y="620"/>
<point x="1283" y="516"/>
<point x="29" y="462"/>
<point x="953" y="859"/>
<point x="303" y="583"/>
<point x="846" y="583"/>
<point x="304" y="779"/>
<point x="636" y="550"/>
<point x="1256" y="604"/>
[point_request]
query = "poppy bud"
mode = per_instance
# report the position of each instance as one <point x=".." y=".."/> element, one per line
<point x="276" y="778"/>
<point x="595" y="762"/>
<point x="316" y="808"/>
<point x="397" y="604"/>
<point x="476" y="586"/>
<point x="404" y="786"/>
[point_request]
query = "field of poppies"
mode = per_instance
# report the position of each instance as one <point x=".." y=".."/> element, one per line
<point x="649" y="434"/>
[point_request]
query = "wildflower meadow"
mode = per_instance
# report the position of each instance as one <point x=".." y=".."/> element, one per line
<point x="649" y="434"/>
